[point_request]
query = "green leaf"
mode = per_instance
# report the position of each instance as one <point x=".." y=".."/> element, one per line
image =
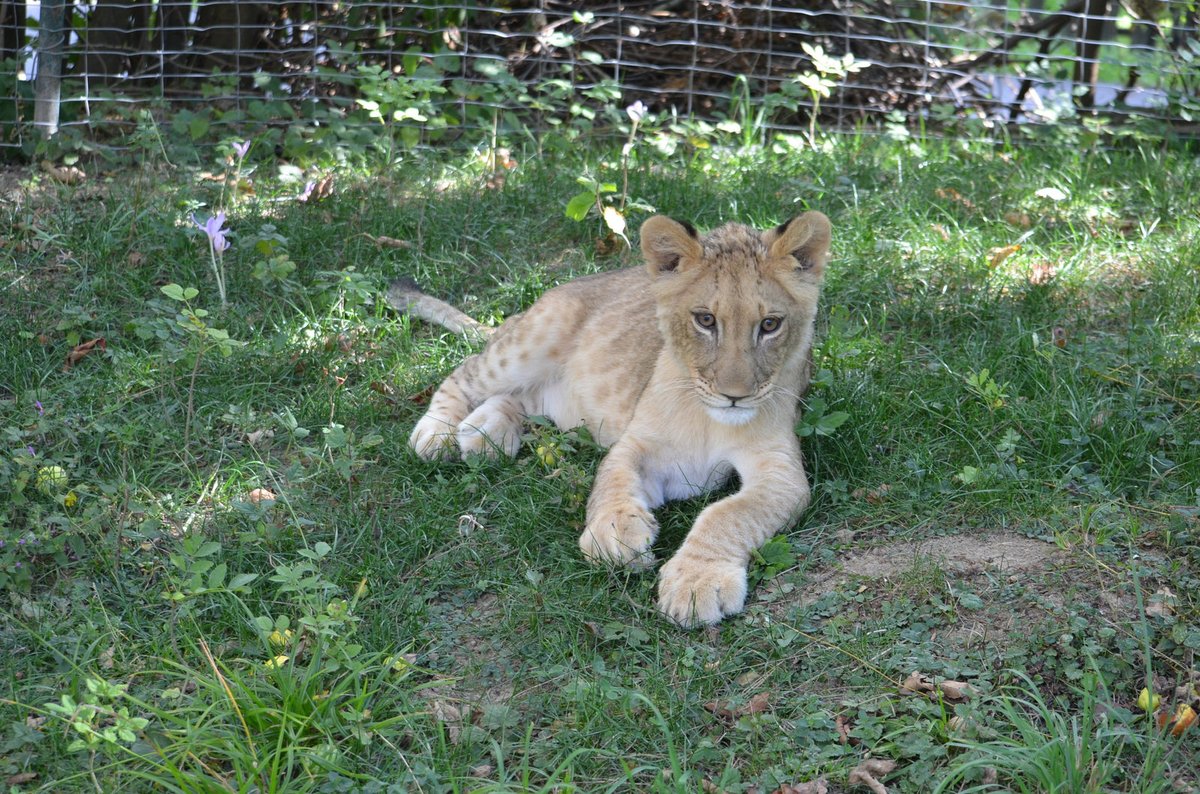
<point x="970" y="601"/>
<point x="578" y="206"/>
<point x="216" y="577"/>
<point x="830" y="422"/>
<point x="239" y="581"/>
<point x="198" y="127"/>
<point x="969" y="475"/>
<point x="173" y="291"/>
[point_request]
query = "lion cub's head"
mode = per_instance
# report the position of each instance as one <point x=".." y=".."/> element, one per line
<point x="736" y="307"/>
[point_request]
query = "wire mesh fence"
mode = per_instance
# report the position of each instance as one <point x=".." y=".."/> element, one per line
<point x="104" y="70"/>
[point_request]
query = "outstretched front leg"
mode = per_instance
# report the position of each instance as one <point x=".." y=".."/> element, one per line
<point x="706" y="579"/>
<point x="620" y="527"/>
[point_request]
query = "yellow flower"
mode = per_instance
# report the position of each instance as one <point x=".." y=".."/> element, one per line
<point x="547" y="454"/>
<point x="400" y="663"/>
<point x="280" y="639"/>
<point x="277" y="662"/>
<point x="70" y="499"/>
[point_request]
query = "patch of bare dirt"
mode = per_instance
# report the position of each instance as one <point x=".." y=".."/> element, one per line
<point x="477" y="675"/>
<point x="1017" y="580"/>
<point x="963" y="554"/>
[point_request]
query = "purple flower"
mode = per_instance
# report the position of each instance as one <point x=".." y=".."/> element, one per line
<point x="241" y="148"/>
<point x="308" y="190"/>
<point x="637" y="111"/>
<point x="38" y="405"/>
<point x="214" y="229"/>
<point x="32" y="452"/>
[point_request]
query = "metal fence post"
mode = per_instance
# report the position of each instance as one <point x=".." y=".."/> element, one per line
<point x="47" y="83"/>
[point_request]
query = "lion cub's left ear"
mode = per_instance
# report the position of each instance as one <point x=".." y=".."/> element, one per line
<point x="804" y="239"/>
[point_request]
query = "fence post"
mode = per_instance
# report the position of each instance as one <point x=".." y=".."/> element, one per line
<point x="47" y="83"/>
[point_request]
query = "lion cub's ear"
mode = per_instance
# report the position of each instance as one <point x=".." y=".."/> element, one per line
<point x="668" y="245"/>
<point x="805" y="239"/>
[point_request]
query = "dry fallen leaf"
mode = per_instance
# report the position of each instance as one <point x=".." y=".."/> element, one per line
<point x="843" y="727"/>
<point x="1162" y="603"/>
<point x="321" y="189"/>
<point x="450" y="717"/>
<point x="916" y="683"/>
<point x="383" y="241"/>
<point x="1017" y="218"/>
<point x="873" y="496"/>
<point x="259" y="495"/>
<point x="136" y="258"/>
<point x="755" y="705"/>
<point x="258" y="436"/>
<point x="940" y="230"/>
<point x="950" y="194"/>
<point x="1041" y="273"/>
<point x="1185" y="715"/>
<point x="482" y="770"/>
<point x="997" y="255"/>
<point x="868" y="772"/>
<point x="20" y="778"/>
<point x="608" y="244"/>
<point x="82" y="349"/>
<point x="67" y="174"/>
<point x="955" y="690"/>
<point x="818" y="786"/>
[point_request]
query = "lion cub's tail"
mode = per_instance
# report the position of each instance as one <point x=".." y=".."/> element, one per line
<point x="406" y="297"/>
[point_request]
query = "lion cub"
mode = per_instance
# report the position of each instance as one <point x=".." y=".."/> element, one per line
<point x="689" y="368"/>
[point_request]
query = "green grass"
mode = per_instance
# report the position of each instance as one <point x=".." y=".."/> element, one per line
<point x="445" y="633"/>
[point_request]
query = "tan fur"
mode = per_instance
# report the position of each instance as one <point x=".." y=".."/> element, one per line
<point x="682" y="406"/>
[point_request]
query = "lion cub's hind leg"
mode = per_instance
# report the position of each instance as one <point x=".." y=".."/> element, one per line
<point x="436" y="432"/>
<point x="479" y="408"/>
<point x="493" y="427"/>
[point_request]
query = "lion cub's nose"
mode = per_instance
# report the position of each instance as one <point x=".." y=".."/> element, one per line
<point x="733" y="398"/>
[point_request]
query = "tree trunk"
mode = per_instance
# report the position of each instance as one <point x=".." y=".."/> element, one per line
<point x="229" y="36"/>
<point x="1087" y="65"/>
<point x="12" y="28"/>
<point x="116" y="36"/>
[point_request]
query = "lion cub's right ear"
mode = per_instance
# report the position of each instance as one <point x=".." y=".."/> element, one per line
<point x="669" y="245"/>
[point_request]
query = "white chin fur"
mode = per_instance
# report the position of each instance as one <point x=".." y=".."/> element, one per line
<point x="731" y="415"/>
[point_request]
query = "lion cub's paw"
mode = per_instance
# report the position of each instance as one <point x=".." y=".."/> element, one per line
<point x="694" y="592"/>
<point x="622" y="537"/>
<point x="433" y="438"/>
<point x="490" y="430"/>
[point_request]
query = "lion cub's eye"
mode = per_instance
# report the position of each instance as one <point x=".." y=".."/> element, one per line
<point x="705" y="320"/>
<point x="770" y="325"/>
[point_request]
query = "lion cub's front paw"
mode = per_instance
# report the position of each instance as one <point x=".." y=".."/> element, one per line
<point x="694" y="591"/>
<point x="433" y="438"/>
<point x="620" y="536"/>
